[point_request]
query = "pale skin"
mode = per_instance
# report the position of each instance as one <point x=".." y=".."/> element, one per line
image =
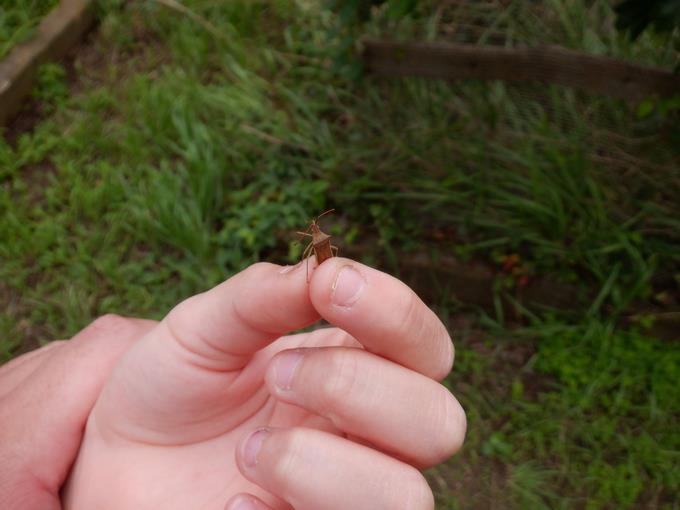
<point x="217" y="407"/>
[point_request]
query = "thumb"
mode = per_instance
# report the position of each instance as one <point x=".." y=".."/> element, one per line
<point x="42" y="419"/>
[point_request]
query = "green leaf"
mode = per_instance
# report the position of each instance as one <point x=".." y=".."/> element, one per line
<point x="646" y="107"/>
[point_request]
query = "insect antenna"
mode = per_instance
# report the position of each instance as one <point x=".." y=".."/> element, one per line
<point x="323" y="214"/>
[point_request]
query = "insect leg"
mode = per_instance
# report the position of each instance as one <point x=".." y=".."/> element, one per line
<point x="307" y="267"/>
<point x="312" y="252"/>
<point x="307" y="252"/>
<point x="334" y="250"/>
<point x="305" y="256"/>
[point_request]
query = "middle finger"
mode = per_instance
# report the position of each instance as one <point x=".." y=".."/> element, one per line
<point x="398" y="410"/>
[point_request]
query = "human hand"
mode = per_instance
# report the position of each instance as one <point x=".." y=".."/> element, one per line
<point x="213" y="407"/>
<point x="45" y="399"/>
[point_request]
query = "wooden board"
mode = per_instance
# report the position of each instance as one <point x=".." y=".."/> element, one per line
<point x="57" y="33"/>
<point x="550" y="64"/>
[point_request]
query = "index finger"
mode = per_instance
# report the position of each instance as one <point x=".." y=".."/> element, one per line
<point x="384" y="314"/>
<point x="173" y="383"/>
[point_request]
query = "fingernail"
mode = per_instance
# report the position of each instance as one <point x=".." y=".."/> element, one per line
<point x="253" y="445"/>
<point x="242" y="503"/>
<point x="347" y="287"/>
<point x="284" y="368"/>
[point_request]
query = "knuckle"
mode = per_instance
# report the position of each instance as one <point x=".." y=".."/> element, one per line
<point x="109" y="323"/>
<point x="447" y="356"/>
<point x="416" y="493"/>
<point x="341" y="338"/>
<point x="286" y="449"/>
<point x="181" y="328"/>
<point x="258" y="269"/>
<point x="451" y="425"/>
<point x="420" y="328"/>
<point x="340" y="381"/>
<point x="181" y="314"/>
<point x="411" y="326"/>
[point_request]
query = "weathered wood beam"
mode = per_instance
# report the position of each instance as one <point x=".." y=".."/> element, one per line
<point x="57" y="33"/>
<point x="561" y="66"/>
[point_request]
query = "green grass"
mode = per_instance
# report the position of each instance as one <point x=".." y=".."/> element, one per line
<point x="18" y="18"/>
<point x="191" y="150"/>
<point x="581" y="421"/>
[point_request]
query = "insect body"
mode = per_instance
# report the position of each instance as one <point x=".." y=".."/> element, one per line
<point x="320" y="244"/>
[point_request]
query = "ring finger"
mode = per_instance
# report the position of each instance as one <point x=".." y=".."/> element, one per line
<point x="311" y="469"/>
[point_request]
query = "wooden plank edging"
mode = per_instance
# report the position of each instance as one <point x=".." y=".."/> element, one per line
<point x="57" y="33"/>
<point x="549" y="64"/>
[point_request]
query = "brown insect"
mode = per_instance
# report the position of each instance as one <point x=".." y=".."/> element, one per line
<point x="320" y="244"/>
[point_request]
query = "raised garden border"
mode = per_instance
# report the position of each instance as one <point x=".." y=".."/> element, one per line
<point x="60" y="30"/>
<point x="547" y="64"/>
